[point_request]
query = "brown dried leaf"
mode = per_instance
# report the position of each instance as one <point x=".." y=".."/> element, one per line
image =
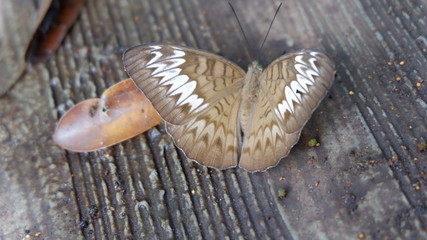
<point x="61" y="16"/>
<point x="121" y="113"/>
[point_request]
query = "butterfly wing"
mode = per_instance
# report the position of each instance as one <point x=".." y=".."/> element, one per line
<point x="266" y="141"/>
<point x="291" y="88"/>
<point x="181" y="82"/>
<point x="196" y="93"/>
<point x="212" y="138"/>
<point x="296" y="84"/>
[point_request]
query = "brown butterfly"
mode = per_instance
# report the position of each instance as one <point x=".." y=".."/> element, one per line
<point x="221" y="116"/>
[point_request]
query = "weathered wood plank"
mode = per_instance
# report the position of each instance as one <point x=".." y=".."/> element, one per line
<point x="367" y="179"/>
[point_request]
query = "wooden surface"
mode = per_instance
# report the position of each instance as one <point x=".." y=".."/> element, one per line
<point x="366" y="180"/>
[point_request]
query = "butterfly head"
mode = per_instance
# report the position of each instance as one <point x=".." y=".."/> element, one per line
<point x="255" y="68"/>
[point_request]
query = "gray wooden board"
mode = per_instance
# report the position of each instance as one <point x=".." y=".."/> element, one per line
<point x="367" y="179"/>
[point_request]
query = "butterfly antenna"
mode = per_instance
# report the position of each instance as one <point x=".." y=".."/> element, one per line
<point x="271" y="24"/>
<point x="241" y="28"/>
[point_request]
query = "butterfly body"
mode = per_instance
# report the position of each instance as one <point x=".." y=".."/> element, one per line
<point x="249" y="92"/>
<point x="221" y="116"/>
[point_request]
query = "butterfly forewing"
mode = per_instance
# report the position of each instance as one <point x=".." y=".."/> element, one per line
<point x="295" y="85"/>
<point x="181" y="82"/>
<point x="290" y="89"/>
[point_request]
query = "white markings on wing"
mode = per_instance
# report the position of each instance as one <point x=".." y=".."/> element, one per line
<point x="168" y="75"/>
<point x="177" y="82"/>
<point x="304" y="82"/>
<point x="195" y="102"/>
<point x="311" y="61"/>
<point x="297" y="89"/>
<point x="290" y="98"/>
<point x="185" y="90"/>
<point x="168" y="68"/>
<point x="306" y="72"/>
<point x="275" y="131"/>
<point x="282" y="108"/>
<point x="157" y="54"/>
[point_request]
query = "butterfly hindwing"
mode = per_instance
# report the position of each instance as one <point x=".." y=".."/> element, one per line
<point x="212" y="138"/>
<point x="265" y="142"/>
<point x="181" y="82"/>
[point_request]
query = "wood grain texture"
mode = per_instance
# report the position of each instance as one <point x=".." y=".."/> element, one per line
<point x="367" y="178"/>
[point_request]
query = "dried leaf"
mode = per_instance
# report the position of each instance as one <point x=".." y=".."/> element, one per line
<point x="121" y="113"/>
<point x="60" y="17"/>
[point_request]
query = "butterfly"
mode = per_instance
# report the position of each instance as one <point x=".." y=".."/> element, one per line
<point x="222" y="117"/>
